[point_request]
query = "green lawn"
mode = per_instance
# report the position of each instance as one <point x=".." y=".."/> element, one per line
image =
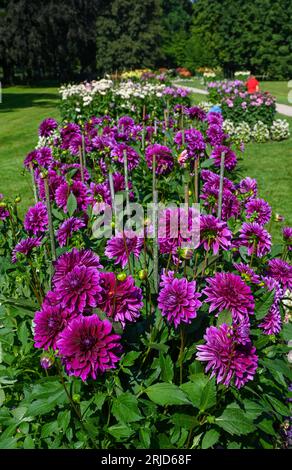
<point x="278" y="89"/>
<point x="23" y="108"/>
<point x="21" y="111"/>
<point x="191" y="82"/>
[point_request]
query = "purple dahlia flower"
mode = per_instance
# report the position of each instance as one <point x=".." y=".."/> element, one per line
<point x="4" y="213"/>
<point x="227" y="291"/>
<point x="133" y="158"/>
<point x="121" y="300"/>
<point x="257" y="240"/>
<point x="287" y="236"/>
<point x="178" y="299"/>
<point x="80" y="191"/>
<point x="66" y="262"/>
<point x="194" y="142"/>
<point x="214" y="234"/>
<point x="230" y="161"/>
<point x="258" y="210"/>
<point x="49" y="322"/>
<point x="88" y="347"/>
<point x="44" y="157"/>
<point x="227" y="359"/>
<point x="248" y="187"/>
<point x="47" y="127"/>
<point x="281" y="271"/>
<point x="31" y="158"/>
<point x="196" y="113"/>
<point x="216" y="135"/>
<point x="25" y="247"/>
<point x="214" y="118"/>
<point x="36" y="219"/>
<point x="67" y="228"/>
<point x="164" y="158"/>
<point x="121" y="247"/>
<point x="79" y="289"/>
<point x="247" y="274"/>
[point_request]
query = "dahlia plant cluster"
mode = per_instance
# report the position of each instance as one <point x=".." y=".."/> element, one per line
<point x="117" y="98"/>
<point x="260" y="132"/>
<point x="239" y="105"/>
<point x="143" y="336"/>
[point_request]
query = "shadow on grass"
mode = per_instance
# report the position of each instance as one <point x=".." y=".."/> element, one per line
<point x="13" y="101"/>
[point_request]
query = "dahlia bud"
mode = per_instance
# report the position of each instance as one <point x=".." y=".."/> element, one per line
<point x="17" y="200"/>
<point x="122" y="277"/>
<point x="46" y="362"/>
<point x="143" y="274"/>
<point x="76" y="397"/>
<point x="190" y="193"/>
<point x="185" y="253"/>
<point x="3" y="204"/>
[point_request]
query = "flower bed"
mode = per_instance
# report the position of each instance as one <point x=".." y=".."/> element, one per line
<point x="238" y="105"/>
<point x="158" y="338"/>
<point x="102" y="97"/>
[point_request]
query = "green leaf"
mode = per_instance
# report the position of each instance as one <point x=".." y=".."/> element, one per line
<point x="28" y="443"/>
<point x="2" y="396"/>
<point x="253" y="409"/>
<point x="99" y="400"/>
<point x="49" y="429"/>
<point x="210" y="438"/>
<point x="8" y="443"/>
<point x="278" y="406"/>
<point x="166" y="394"/>
<point x="262" y="308"/>
<point x="266" y="425"/>
<point x="207" y="163"/>
<point x="166" y="366"/>
<point x="287" y="331"/>
<point x="23" y="333"/>
<point x="71" y="204"/>
<point x="130" y="358"/>
<point x="125" y="408"/>
<point x="120" y="431"/>
<point x="184" y="421"/>
<point x="234" y="421"/>
<point x="201" y="391"/>
<point x="145" y="437"/>
<point x="224" y="317"/>
<point x="64" y="419"/>
<point x="278" y="365"/>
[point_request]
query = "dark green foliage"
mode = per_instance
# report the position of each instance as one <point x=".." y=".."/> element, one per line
<point x="254" y="35"/>
<point x="128" y="34"/>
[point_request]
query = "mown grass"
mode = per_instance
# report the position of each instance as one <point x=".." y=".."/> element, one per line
<point x="24" y="108"/>
<point x="21" y="111"/>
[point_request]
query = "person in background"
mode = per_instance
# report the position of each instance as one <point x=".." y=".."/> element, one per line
<point x="252" y="84"/>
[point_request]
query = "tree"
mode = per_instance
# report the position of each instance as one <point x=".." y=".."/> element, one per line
<point x="176" y="22"/>
<point x="128" y="34"/>
<point x="46" y="39"/>
<point x="254" y="34"/>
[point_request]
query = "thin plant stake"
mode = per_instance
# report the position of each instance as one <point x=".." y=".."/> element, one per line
<point x="221" y="185"/>
<point x="35" y="193"/>
<point x="126" y="182"/>
<point x="81" y="164"/>
<point x="51" y="228"/>
<point x="155" y="225"/>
